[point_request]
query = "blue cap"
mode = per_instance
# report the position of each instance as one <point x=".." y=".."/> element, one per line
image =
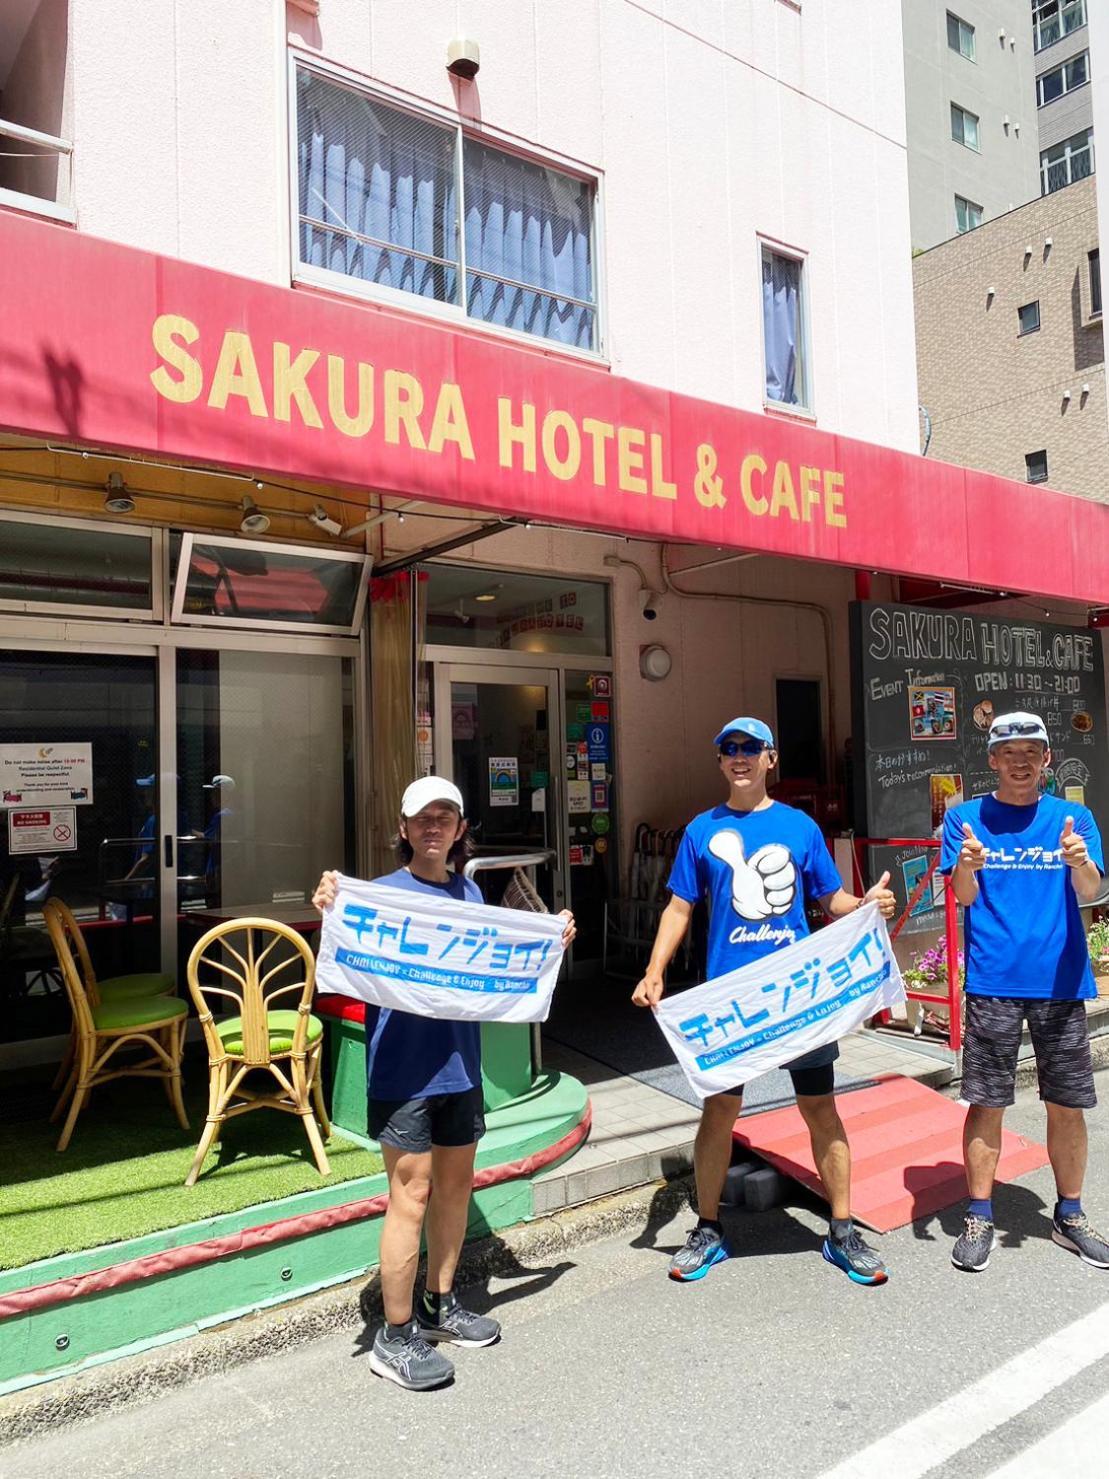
<point x="753" y="727"/>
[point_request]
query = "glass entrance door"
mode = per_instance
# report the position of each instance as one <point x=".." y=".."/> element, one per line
<point x="79" y="820"/>
<point x="499" y="727"/>
<point x="265" y="783"/>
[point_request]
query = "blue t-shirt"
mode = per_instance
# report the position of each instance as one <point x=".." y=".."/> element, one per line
<point x="1024" y="934"/>
<point x="411" y="1057"/>
<point x="756" y="868"/>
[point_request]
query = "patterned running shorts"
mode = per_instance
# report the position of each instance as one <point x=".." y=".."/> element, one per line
<point x="1060" y="1039"/>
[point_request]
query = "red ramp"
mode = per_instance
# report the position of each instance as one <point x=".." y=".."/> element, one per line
<point x="906" y="1150"/>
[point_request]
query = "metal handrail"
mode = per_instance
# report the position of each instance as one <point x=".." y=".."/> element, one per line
<point x="508" y="860"/>
<point x="26" y="135"/>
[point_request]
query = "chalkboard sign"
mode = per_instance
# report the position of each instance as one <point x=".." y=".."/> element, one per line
<point x="926" y="685"/>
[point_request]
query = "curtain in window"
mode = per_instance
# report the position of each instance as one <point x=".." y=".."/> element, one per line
<point x="370" y="171"/>
<point x="529" y="229"/>
<point x="781" y="313"/>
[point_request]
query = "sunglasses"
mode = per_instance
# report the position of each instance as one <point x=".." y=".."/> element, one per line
<point x="732" y="748"/>
<point x="1020" y="726"/>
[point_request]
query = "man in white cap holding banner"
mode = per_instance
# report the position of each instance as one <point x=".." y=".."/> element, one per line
<point x="756" y="861"/>
<point x="1020" y="864"/>
<point x="425" y="1108"/>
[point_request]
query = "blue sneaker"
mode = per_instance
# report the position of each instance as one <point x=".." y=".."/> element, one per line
<point x="704" y="1247"/>
<point x="857" y="1260"/>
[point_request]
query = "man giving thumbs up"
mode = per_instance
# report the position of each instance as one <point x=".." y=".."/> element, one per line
<point x="756" y="861"/>
<point x="1020" y="864"/>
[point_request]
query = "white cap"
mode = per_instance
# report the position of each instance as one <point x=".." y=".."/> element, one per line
<point x="219" y="783"/>
<point x="1017" y="726"/>
<point x="427" y="789"/>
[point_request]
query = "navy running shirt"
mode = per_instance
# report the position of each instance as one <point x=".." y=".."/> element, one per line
<point x="411" y="1057"/>
<point x="756" y="868"/>
<point x="1024" y="934"/>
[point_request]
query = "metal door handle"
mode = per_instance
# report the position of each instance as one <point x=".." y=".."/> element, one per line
<point x="167" y="843"/>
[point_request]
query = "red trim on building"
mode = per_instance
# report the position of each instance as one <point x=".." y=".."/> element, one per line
<point x="197" y="365"/>
<point x="196" y="1255"/>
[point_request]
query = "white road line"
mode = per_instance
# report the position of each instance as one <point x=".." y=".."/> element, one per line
<point x="1077" y="1445"/>
<point x="924" y="1442"/>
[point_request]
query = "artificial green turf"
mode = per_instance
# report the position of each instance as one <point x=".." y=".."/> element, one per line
<point x="123" y="1174"/>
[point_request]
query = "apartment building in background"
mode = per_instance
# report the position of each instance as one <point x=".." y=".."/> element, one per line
<point x="970" y="106"/>
<point x="1064" y="96"/>
<point x="1010" y="345"/>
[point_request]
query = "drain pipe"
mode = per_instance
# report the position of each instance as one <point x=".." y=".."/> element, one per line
<point x="775" y="601"/>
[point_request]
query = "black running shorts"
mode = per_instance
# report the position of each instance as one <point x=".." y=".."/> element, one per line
<point x="418" y="1124"/>
<point x="813" y="1073"/>
<point x="1060" y="1040"/>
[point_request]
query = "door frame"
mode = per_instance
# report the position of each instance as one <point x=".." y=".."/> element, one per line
<point x="532" y="675"/>
<point x="40" y="633"/>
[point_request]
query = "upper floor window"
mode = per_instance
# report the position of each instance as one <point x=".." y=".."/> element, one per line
<point x="1052" y="19"/>
<point x="784" y="330"/>
<point x="1073" y="73"/>
<point x="1064" y="163"/>
<point x="1028" y="317"/>
<point x="417" y="208"/>
<point x="967" y="214"/>
<point x="1095" y="281"/>
<point x="1035" y="466"/>
<point x="960" y="36"/>
<point x="964" y="127"/>
<point x="35" y="154"/>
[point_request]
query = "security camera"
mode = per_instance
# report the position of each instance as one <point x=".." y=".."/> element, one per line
<point x="322" y="520"/>
<point x="649" y="604"/>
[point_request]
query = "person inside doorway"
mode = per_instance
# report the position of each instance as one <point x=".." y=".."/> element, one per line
<point x="756" y="861"/>
<point x="426" y="1111"/>
<point x="218" y="795"/>
<point x="1021" y="863"/>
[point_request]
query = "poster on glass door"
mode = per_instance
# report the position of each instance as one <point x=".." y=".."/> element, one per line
<point x="46" y="775"/>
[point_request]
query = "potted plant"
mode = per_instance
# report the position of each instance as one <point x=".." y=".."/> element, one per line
<point x="1097" y="943"/>
<point x="928" y="972"/>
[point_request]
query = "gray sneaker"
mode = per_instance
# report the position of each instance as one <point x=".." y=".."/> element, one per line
<point x="408" y="1360"/>
<point x="704" y="1247"/>
<point x="1077" y="1236"/>
<point x="458" y="1325"/>
<point x="974" y="1244"/>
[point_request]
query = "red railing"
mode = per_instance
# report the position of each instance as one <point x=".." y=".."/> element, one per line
<point x="951" y="999"/>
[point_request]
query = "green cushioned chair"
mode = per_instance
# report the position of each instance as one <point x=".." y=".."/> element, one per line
<point x="245" y="965"/>
<point x="152" y="1025"/>
<point x="282" y="1025"/>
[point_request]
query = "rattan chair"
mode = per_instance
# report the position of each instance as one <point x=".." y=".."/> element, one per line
<point x="142" y="984"/>
<point x="102" y="1028"/>
<point x="251" y="972"/>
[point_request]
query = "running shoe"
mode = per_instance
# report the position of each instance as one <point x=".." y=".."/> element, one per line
<point x="1077" y="1236"/>
<point x="704" y="1247"/>
<point x="456" y="1324"/>
<point x="974" y="1244"/>
<point x="408" y="1360"/>
<point x="857" y="1259"/>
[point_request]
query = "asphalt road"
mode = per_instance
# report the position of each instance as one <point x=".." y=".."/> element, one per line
<point x="774" y="1365"/>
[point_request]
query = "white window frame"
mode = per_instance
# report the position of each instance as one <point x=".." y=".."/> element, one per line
<point x="970" y="205"/>
<point x="18" y="133"/>
<point x="152" y="611"/>
<point x="806" y="408"/>
<point x="1064" y="9"/>
<point x="180" y="617"/>
<point x="965" y="30"/>
<point x="1087" y="135"/>
<point x="452" y="313"/>
<point x="964" y="114"/>
<point x="1067" y="88"/>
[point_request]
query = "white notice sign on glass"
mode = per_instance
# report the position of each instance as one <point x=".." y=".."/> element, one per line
<point x="46" y="775"/>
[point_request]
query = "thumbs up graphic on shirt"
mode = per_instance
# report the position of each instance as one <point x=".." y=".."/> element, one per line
<point x="765" y="883"/>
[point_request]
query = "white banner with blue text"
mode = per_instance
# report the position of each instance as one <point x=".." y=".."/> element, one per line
<point x="787" y="1003"/>
<point x="439" y="958"/>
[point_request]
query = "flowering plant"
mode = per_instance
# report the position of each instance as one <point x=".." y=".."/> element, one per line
<point x="928" y="971"/>
<point x="1097" y="943"/>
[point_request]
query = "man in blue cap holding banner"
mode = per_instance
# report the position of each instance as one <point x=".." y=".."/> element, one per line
<point x="756" y="861"/>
